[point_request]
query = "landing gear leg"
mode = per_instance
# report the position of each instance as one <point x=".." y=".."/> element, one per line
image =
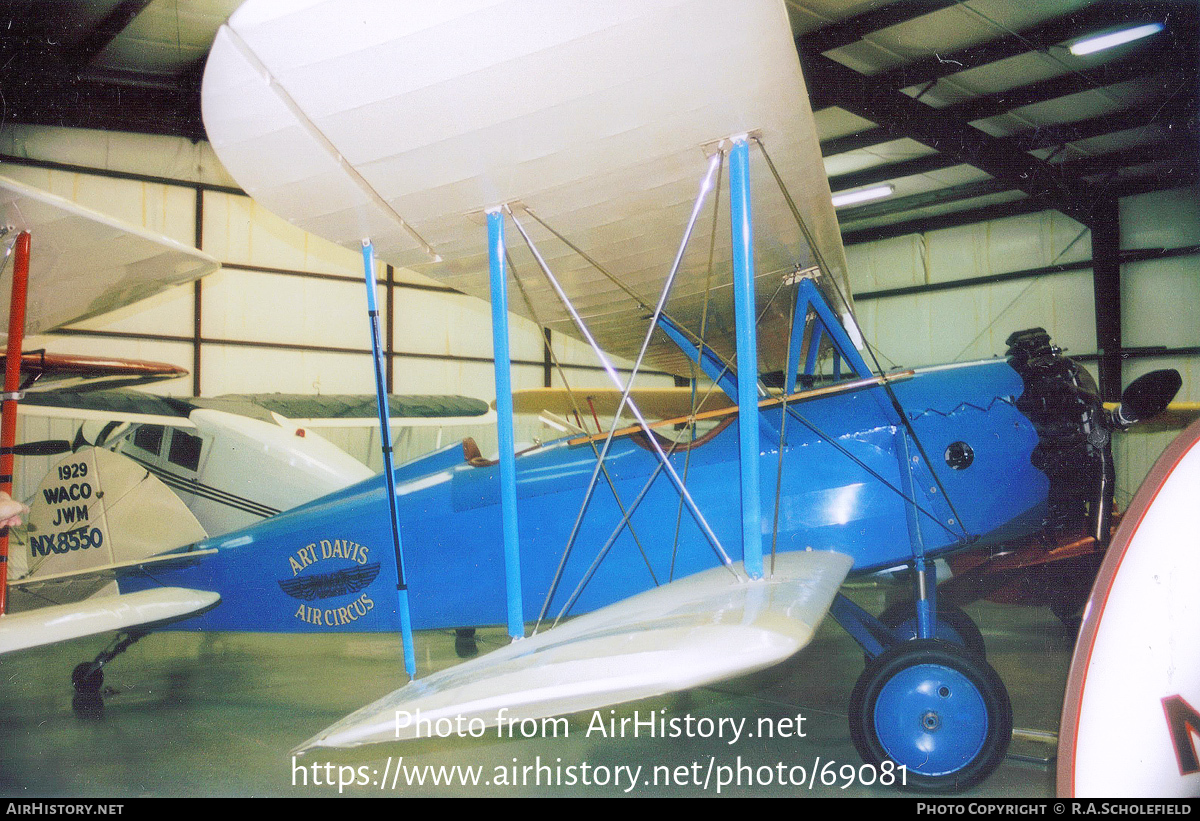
<point x="953" y="625"/>
<point x="935" y="715"/>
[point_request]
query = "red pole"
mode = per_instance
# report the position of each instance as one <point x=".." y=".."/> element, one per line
<point x="12" y="384"/>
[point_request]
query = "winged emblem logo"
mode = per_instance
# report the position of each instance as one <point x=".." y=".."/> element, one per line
<point x="328" y="585"/>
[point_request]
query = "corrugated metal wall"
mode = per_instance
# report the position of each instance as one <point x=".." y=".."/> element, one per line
<point x="956" y="294"/>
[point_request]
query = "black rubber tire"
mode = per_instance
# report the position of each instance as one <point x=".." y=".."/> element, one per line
<point x="959" y="623"/>
<point x="913" y="659"/>
<point x="86" y="678"/>
<point x="465" y="644"/>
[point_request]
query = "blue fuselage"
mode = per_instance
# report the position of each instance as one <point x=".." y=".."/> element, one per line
<point x="329" y="565"/>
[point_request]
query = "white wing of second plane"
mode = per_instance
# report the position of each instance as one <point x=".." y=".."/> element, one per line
<point x="83" y="263"/>
<point x="695" y="631"/>
<point x="125" y="405"/>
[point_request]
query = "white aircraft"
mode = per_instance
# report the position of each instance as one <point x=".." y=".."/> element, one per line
<point x="168" y="471"/>
<point x="232" y="460"/>
<point x="66" y="263"/>
<point x="235" y="460"/>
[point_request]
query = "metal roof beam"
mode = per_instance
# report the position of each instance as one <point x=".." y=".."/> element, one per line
<point x="950" y="220"/>
<point x="925" y="199"/>
<point x="1076" y="167"/>
<point x="891" y="171"/>
<point x="868" y="137"/>
<point x="1001" y="102"/>
<point x="104" y="33"/>
<point x="1036" y="38"/>
<point x="1181" y="114"/>
<point x="852" y="29"/>
<point x="1188" y="175"/>
<point x="1175" y="177"/>
<point x="1174" y="150"/>
<point x="83" y="103"/>
<point x="903" y="116"/>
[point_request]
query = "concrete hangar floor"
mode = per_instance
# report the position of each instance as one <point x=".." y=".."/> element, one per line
<point x="218" y="714"/>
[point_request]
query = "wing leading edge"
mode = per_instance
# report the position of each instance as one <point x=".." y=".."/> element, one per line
<point x="62" y="622"/>
<point x="685" y="634"/>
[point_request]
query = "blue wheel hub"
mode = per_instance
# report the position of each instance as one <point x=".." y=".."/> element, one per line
<point x="931" y="718"/>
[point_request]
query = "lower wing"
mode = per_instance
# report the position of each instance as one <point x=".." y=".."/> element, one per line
<point x="62" y="622"/>
<point x="695" y="631"/>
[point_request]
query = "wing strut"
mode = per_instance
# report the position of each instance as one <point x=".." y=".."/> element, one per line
<point x="578" y="411"/>
<point x="12" y="386"/>
<point x="504" y="421"/>
<point x="747" y="352"/>
<point x="626" y="401"/>
<point x="385" y="442"/>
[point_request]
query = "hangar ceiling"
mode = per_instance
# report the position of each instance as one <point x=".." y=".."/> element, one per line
<point x="969" y="109"/>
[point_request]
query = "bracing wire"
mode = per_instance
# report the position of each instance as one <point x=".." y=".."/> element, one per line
<point x="575" y="404"/>
<point x="625" y="399"/>
<point x="891" y="394"/>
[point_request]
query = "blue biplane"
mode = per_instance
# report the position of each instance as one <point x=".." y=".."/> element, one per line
<point x="671" y="553"/>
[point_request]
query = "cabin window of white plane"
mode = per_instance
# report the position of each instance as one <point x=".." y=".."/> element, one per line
<point x="149" y="438"/>
<point x="185" y="450"/>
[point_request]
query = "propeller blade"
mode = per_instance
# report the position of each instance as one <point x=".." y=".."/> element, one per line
<point x="46" y="447"/>
<point x="1148" y="396"/>
<point x="105" y="432"/>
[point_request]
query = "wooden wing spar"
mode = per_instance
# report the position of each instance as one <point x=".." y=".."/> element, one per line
<point x="84" y="263"/>
<point x="593" y="122"/>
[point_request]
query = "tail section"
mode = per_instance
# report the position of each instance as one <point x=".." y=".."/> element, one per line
<point x="96" y="508"/>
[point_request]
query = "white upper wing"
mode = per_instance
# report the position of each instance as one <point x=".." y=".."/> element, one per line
<point x="402" y="120"/>
<point x="691" y="632"/>
<point x="83" y="263"/>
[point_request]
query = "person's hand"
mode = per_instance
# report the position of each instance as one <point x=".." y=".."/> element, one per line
<point x="11" y="511"/>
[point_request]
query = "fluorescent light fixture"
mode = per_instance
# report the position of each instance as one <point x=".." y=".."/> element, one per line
<point x="1090" y="45"/>
<point x="863" y="195"/>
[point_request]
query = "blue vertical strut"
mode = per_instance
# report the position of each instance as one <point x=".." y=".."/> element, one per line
<point x="385" y="440"/>
<point x="747" y="353"/>
<point x="504" y="421"/>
